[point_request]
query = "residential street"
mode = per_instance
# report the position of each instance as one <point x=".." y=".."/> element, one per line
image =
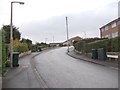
<point x="58" y="70"/>
<point x="55" y="69"/>
<point x="60" y="44"/>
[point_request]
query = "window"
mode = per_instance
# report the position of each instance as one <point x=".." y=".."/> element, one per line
<point x="106" y="28"/>
<point x="114" y="25"/>
<point x="107" y="36"/>
<point x="115" y="34"/>
<point x="102" y="30"/>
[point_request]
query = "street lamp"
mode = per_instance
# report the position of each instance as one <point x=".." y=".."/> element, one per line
<point x="11" y="30"/>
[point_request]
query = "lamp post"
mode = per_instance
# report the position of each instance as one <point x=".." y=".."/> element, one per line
<point x="11" y="30"/>
<point x="67" y="33"/>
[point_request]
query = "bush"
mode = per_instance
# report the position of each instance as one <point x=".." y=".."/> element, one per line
<point x="111" y="45"/>
<point x="21" y="47"/>
<point x="79" y="45"/>
<point x="96" y="45"/>
<point x="115" y="45"/>
<point x="7" y="63"/>
<point x="4" y="56"/>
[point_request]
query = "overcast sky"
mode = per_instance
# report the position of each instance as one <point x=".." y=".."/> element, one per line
<point x="40" y="19"/>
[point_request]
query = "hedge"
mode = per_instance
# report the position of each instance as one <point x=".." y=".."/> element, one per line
<point x="0" y="52"/>
<point x="115" y="44"/>
<point x="4" y="56"/>
<point x="21" y="47"/>
<point x="111" y="45"/>
<point x="96" y="45"/>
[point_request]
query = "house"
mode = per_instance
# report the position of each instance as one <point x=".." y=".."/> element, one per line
<point x="110" y="30"/>
<point x="71" y="40"/>
<point x="54" y="44"/>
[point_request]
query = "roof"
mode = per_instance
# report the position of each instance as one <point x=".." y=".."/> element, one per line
<point x="72" y="38"/>
<point x="116" y="20"/>
<point x="54" y="43"/>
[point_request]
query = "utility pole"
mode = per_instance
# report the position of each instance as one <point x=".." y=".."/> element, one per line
<point x="67" y="33"/>
<point x="84" y="42"/>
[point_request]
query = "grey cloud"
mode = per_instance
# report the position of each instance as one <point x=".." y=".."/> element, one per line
<point x="89" y="21"/>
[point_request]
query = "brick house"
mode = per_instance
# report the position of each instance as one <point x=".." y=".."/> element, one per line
<point x="110" y="30"/>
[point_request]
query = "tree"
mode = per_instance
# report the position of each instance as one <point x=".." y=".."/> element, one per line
<point x="16" y="33"/>
<point x="28" y="42"/>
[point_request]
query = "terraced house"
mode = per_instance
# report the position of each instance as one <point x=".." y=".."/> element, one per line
<point x="110" y="30"/>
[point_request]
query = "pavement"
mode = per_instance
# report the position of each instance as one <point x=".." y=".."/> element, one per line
<point x="109" y="63"/>
<point x="23" y="76"/>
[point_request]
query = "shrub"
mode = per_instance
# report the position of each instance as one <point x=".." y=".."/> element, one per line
<point x="111" y="45"/>
<point x="7" y="63"/>
<point x="115" y="44"/>
<point x="21" y="47"/>
<point x="79" y="45"/>
<point x="96" y="45"/>
<point x="4" y="56"/>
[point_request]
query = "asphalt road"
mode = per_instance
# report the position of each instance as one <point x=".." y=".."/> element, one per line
<point x="58" y="70"/>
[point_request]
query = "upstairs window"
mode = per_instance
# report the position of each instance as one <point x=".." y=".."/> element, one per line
<point x="114" y="25"/>
<point x="106" y="28"/>
<point x="102" y="29"/>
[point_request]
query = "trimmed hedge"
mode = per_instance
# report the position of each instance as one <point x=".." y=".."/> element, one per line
<point x="4" y="56"/>
<point x="111" y="45"/>
<point x="96" y="45"/>
<point x="115" y="44"/>
<point x="0" y="52"/>
<point x="79" y="45"/>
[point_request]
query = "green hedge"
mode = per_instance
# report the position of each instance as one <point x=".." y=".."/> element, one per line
<point x="111" y="45"/>
<point x="79" y="45"/>
<point x="22" y="47"/>
<point x="4" y="56"/>
<point x="0" y="52"/>
<point x="96" y="45"/>
<point x="115" y="44"/>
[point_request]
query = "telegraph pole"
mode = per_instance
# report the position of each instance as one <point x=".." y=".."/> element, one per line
<point x="67" y="33"/>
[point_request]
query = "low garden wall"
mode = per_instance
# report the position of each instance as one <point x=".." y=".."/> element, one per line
<point x="24" y="54"/>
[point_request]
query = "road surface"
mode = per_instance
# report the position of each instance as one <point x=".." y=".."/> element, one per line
<point x="55" y="69"/>
<point x="58" y="70"/>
